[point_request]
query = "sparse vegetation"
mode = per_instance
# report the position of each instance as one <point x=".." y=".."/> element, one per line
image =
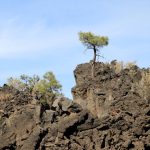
<point x="129" y="65"/>
<point x="143" y="86"/>
<point x="48" y="86"/>
<point x="94" y="42"/>
<point x="5" y="96"/>
<point x="118" y="66"/>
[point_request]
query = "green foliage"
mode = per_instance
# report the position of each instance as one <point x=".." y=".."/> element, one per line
<point x="91" y="40"/>
<point x="24" y="82"/>
<point x="48" y="85"/>
<point x="17" y="84"/>
<point x="94" y="42"/>
<point x="30" y="81"/>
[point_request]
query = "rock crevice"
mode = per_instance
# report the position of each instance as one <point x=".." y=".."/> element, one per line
<point x="107" y="112"/>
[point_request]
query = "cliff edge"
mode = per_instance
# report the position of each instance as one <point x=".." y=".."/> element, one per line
<point x="110" y="111"/>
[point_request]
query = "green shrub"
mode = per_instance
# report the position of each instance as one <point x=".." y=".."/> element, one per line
<point x="48" y="86"/>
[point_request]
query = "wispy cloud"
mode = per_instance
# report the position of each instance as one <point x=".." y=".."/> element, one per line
<point x="38" y="35"/>
<point x="18" y="40"/>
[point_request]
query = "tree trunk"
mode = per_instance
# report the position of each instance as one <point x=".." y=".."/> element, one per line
<point x="93" y="63"/>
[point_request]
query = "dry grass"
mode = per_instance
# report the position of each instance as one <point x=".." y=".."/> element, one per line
<point x="5" y="96"/>
<point x="129" y="65"/>
<point x="143" y="86"/>
<point x="119" y="66"/>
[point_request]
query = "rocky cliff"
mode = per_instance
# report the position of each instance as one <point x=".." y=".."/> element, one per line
<point x="108" y="112"/>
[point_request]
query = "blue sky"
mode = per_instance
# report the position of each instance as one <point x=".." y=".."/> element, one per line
<point x="41" y="35"/>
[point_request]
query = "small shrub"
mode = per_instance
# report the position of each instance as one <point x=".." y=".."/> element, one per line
<point x="129" y="65"/>
<point x="16" y="83"/>
<point x="48" y="86"/>
<point x="132" y="69"/>
<point x="118" y="67"/>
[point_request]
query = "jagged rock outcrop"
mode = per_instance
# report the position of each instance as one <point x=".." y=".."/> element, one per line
<point x="26" y="124"/>
<point x="117" y="95"/>
<point x="102" y="93"/>
<point x="107" y="113"/>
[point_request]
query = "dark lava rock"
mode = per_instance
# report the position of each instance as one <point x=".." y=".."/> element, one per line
<point x="105" y="114"/>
